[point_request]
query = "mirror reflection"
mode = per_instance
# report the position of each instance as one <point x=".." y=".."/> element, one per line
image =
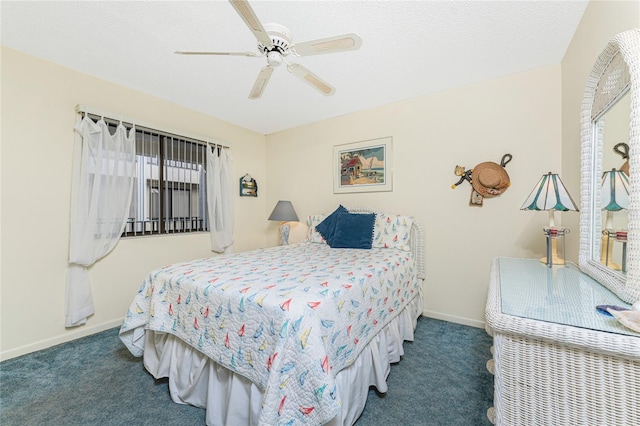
<point x="614" y="185"/>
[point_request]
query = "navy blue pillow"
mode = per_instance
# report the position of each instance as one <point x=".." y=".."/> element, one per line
<point x="327" y="227"/>
<point x="353" y="231"/>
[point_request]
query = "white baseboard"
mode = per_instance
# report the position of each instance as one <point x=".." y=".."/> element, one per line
<point x="453" y="318"/>
<point x="63" y="338"/>
<point x="87" y="331"/>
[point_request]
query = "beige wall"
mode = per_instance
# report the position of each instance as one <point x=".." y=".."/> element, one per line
<point x="601" y="21"/>
<point x="38" y="100"/>
<point x="519" y="114"/>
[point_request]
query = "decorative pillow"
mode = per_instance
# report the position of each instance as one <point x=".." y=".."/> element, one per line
<point x="392" y="231"/>
<point x="314" y="236"/>
<point x="327" y="227"/>
<point x="353" y="230"/>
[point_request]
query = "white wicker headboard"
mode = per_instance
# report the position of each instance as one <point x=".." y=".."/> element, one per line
<point x="417" y="239"/>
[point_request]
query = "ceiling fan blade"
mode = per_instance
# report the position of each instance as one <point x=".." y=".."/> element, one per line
<point x="311" y="79"/>
<point x="249" y="54"/>
<point x="261" y="82"/>
<point x="333" y="44"/>
<point x="249" y="17"/>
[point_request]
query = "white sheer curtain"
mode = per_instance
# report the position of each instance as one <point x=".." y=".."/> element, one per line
<point x="102" y="182"/>
<point x="203" y="208"/>
<point x="220" y="199"/>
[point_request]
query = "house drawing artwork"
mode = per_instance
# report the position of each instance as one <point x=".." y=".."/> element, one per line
<point x="351" y="167"/>
<point x="362" y="167"/>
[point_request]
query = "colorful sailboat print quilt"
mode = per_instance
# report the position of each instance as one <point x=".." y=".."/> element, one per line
<point x="288" y="318"/>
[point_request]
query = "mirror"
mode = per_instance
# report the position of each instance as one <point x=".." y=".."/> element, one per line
<point x="611" y="115"/>
<point x="614" y="187"/>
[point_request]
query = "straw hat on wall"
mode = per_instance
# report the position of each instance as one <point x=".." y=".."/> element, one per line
<point x="490" y="179"/>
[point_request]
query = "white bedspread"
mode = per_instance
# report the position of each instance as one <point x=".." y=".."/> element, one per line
<point x="288" y="318"/>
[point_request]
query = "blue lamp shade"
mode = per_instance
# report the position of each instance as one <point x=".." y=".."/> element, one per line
<point x="614" y="192"/>
<point x="284" y="212"/>
<point x="549" y="194"/>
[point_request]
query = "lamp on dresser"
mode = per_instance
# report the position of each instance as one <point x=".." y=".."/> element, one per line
<point x="614" y="196"/>
<point x="550" y="195"/>
<point x="284" y="212"/>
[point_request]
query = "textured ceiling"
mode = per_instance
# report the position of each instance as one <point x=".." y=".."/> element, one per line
<point x="409" y="49"/>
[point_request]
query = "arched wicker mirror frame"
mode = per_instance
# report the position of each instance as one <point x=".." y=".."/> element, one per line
<point x="615" y="73"/>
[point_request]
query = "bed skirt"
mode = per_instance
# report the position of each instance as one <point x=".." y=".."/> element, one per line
<point x="229" y="398"/>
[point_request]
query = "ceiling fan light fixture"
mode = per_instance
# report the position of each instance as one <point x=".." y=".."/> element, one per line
<point x="274" y="58"/>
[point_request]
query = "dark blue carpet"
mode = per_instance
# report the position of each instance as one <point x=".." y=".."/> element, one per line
<point x="441" y="380"/>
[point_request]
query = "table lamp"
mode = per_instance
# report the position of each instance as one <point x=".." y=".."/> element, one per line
<point x="284" y="212"/>
<point x="614" y="196"/>
<point x="550" y="195"/>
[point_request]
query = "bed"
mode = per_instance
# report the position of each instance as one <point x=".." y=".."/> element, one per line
<point x="287" y="335"/>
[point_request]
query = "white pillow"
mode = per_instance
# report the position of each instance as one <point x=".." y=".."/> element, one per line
<point x="392" y="231"/>
<point x="314" y="236"/>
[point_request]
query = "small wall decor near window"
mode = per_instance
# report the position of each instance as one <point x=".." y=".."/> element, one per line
<point x="364" y="166"/>
<point x="248" y="186"/>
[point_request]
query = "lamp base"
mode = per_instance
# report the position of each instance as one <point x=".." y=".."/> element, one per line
<point x="606" y="251"/>
<point x="555" y="260"/>
<point x="553" y="235"/>
<point x="285" y="228"/>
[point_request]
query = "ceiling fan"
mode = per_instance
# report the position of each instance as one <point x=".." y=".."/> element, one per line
<point x="274" y="43"/>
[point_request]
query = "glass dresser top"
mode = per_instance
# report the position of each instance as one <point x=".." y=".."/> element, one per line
<point x="561" y="294"/>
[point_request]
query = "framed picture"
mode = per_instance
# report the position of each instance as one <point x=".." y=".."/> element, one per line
<point x="364" y="166"/>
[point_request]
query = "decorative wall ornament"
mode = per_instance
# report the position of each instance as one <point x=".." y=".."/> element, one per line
<point x="487" y="179"/>
<point x="248" y="186"/>
<point x="623" y="149"/>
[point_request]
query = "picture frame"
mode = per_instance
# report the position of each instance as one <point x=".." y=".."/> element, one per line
<point x="364" y="166"/>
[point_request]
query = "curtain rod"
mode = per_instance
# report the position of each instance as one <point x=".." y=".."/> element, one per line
<point x="119" y="117"/>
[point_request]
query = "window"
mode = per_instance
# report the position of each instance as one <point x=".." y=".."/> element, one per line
<point x="169" y="192"/>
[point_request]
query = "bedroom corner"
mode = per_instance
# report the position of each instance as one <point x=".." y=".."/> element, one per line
<point x="38" y="100"/>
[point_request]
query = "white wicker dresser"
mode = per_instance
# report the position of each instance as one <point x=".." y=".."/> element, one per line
<point x="556" y="360"/>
